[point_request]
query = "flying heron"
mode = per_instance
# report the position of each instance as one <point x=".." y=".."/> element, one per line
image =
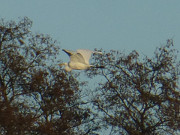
<point x="79" y="60"/>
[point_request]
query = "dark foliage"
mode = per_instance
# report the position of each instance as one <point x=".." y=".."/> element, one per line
<point x="140" y="96"/>
<point x="36" y="97"/>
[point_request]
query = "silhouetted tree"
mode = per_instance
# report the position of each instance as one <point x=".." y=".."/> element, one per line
<point x="140" y="96"/>
<point x="36" y="96"/>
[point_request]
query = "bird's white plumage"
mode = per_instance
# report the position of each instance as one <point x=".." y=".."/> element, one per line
<point x="78" y="59"/>
<point x="86" y="54"/>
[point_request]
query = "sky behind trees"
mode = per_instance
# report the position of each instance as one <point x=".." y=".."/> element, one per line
<point x="117" y="24"/>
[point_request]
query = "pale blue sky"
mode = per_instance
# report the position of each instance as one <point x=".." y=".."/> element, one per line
<point x="108" y="24"/>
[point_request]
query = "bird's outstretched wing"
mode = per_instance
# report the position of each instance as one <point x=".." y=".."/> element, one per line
<point x="86" y="54"/>
<point x="77" y="58"/>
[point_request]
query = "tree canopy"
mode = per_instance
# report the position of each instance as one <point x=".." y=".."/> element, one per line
<point x="35" y="96"/>
<point x="137" y="95"/>
<point x="140" y="95"/>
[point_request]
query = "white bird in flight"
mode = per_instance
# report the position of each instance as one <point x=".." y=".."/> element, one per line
<point x="79" y="60"/>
